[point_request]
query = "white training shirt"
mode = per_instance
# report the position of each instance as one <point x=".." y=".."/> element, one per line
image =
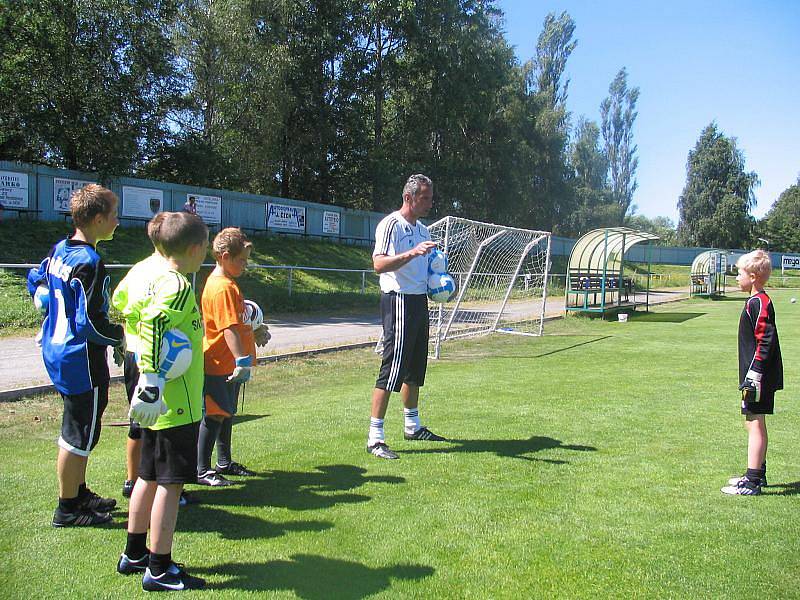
<point x="394" y="235"/>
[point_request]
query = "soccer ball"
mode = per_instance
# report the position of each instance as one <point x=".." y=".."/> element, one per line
<point x="253" y="315"/>
<point x="176" y="354"/>
<point x="793" y="300"/>
<point x="437" y="261"/>
<point x="41" y="298"/>
<point x="441" y="287"/>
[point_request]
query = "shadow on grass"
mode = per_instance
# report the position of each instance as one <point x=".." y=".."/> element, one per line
<point x="508" y="448"/>
<point x="313" y="577"/>
<point x="664" y="317"/>
<point x="245" y="418"/>
<point x="540" y="355"/>
<point x="236" y="526"/>
<point x="324" y="487"/>
<point x="786" y="489"/>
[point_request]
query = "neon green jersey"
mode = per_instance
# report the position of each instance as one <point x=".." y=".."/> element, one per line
<point x="154" y="298"/>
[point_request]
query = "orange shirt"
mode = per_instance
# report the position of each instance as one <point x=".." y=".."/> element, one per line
<point x="223" y="307"/>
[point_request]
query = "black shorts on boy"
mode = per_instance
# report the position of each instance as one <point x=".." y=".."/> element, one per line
<point x="80" y="425"/>
<point x="169" y="456"/>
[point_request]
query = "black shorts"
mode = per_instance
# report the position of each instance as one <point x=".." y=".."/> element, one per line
<point x="169" y="456"/>
<point x="221" y="396"/>
<point x="131" y="375"/>
<point x="405" y="341"/>
<point x="764" y="406"/>
<point x="80" y="425"/>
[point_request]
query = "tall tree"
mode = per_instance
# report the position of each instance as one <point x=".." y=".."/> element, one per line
<point x="781" y="225"/>
<point x="618" y="114"/>
<point x="716" y="201"/>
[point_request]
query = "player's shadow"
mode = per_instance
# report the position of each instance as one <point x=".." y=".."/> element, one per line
<point x="203" y="518"/>
<point x="663" y="317"/>
<point x="507" y="448"/>
<point x="313" y="577"/>
<point x="541" y="354"/>
<point x="324" y="487"/>
<point x="245" y="418"/>
<point x="785" y="489"/>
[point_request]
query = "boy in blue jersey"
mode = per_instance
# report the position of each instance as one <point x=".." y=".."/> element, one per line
<point x="75" y="334"/>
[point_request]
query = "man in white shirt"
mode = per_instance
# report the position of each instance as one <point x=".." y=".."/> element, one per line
<point x="402" y="244"/>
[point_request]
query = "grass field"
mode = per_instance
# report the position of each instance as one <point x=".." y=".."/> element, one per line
<point x="583" y="464"/>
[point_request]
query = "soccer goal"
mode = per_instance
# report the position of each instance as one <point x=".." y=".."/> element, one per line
<point x="501" y="276"/>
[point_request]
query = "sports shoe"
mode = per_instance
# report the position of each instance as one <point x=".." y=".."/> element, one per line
<point x="96" y="502"/>
<point x="186" y="499"/>
<point x="736" y="480"/>
<point x="175" y="579"/>
<point x="234" y="469"/>
<point x="381" y="450"/>
<point x="744" y="487"/>
<point x="213" y="479"/>
<point x="424" y="434"/>
<point x="126" y="566"/>
<point x="82" y="517"/>
<point x="127" y="488"/>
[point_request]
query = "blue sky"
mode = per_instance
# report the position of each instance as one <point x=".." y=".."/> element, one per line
<point x="736" y="63"/>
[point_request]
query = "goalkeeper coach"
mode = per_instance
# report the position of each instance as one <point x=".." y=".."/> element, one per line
<point x="402" y="244"/>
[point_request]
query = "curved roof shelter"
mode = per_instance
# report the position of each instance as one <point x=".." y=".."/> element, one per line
<point x="603" y="249"/>
<point x="704" y="261"/>
<point x="707" y="276"/>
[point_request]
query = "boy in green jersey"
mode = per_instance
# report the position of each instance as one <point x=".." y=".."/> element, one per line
<point x="153" y="301"/>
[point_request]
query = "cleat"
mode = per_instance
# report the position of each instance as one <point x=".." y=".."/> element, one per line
<point x="381" y="450"/>
<point x="424" y="434"/>
<point x="213" y="479"/>
<point x="744" y="487"/>
<point x="186" y="499"/>
<point x="174" y="580"/>
<point x="736" y="480"/>
<point x="127" y="488"/>
<point x="96" y="502"/>
<point x="126" y="566"/>
<point x="234" y="469"/>
<point x="83" y="517"/>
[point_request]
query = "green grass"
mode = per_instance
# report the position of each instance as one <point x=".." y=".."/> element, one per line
<point x="583" y="464"/>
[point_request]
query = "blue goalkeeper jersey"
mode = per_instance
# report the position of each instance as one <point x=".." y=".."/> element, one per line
<point x="76" y="329"/>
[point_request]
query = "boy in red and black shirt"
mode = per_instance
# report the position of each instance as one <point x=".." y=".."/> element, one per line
<point x="760" y="369"/>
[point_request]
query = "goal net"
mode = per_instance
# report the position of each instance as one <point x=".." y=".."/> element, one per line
<point x="501" y="276"/>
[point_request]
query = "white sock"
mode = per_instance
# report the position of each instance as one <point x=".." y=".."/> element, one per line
<point x="411" y="419"/>
<point x="375" y="431"/>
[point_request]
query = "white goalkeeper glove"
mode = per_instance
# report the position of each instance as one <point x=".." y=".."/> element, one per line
<point x="751" y="387"/>
<point x="262" y="335"/>
<point x="147" y="403"/>
<point x="241" y="374"/>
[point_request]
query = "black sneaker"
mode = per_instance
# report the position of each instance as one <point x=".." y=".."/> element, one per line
<point x="213" y="479"/>
<point x="82" y="517"/>
<point x="96" y="502"/>
<point x="744" y="487"/>
<point x="381" y="450"/>
<point x="127" y="488"/>
<point x="424" y="434"/>
<point x="126" y="566"/>
<point x="174" y="580"/>
<point x="234" y="469"/>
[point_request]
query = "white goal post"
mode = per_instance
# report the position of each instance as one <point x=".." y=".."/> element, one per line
<point x="501" y="277"/>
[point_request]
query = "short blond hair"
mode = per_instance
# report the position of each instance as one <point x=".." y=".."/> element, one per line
<point x="757" y="263"/>
<point x="89" y="201"/>
<point x="231" y="240"/>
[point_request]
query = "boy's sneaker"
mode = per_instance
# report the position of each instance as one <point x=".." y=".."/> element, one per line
<point x="82" y="517"/>
<point x="186" y="499"/>
<point x="213" y="479"/>
<point x="126" y="566"/>
<point x="234" y="469"/>
<point x="96" y="502"/>
<point x="381" y="450"/>
<point x="424" y="434"/>
<point x="174" y="580"/>
<point x="744" y="487"/>
<point x="736" y="480"/>
<point x="127" y="488"/>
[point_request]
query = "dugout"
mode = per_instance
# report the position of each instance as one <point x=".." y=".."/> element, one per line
<point x="596" y="282"/>
<point x="707" y="276"/>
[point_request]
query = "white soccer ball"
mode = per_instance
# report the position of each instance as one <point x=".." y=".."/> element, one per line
<point x="441" y="287"/>
<point x="41" y="298"/>
<point x="793" y="300"/>
<point x="253" y="315"/>
<point x="437" y="261"/>
<point x="176" y="354"/>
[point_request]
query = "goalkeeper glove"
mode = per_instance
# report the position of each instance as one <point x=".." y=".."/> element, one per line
<point x="241" y="374"/>
<point x="147" y="404"/>
<point x="119" y="352"/>
<point x="262" y="335"/>
<point x="751" y="387"/>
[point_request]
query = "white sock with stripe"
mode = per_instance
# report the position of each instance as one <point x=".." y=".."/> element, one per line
<point x="411" y="419"/>
<point x="375" y="431"/>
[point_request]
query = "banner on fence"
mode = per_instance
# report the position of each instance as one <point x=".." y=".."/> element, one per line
<point x="790" y="262"/>
<point x="62" y="191"/>
<point x="141" y="203"/>
<point x="330" y="222"/>
<point x="284" y="216"/>
<point x="209" y="208"/>
<point x="14" y="189"/>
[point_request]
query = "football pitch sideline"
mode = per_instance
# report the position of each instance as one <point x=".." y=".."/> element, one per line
<point x="582" y="464"/>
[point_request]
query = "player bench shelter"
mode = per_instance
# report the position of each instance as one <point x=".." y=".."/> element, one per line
<point x="596" y="282"/>
<point x="707" y="277"/>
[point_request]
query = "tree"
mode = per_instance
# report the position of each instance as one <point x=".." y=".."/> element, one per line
<point x="618" y="113"/>
<point x="716" y="201"/>
<point x="663" y="227"/>
<point x="781" y="225"/>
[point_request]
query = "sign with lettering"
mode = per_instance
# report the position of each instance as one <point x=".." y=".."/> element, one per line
<point x="284" y="216"/>
<point x="13" y="189"/>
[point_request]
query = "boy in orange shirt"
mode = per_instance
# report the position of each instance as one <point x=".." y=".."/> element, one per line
<point x="229" y="351"/>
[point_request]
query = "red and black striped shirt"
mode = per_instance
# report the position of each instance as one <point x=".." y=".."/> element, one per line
<point x="759" y="348"/>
